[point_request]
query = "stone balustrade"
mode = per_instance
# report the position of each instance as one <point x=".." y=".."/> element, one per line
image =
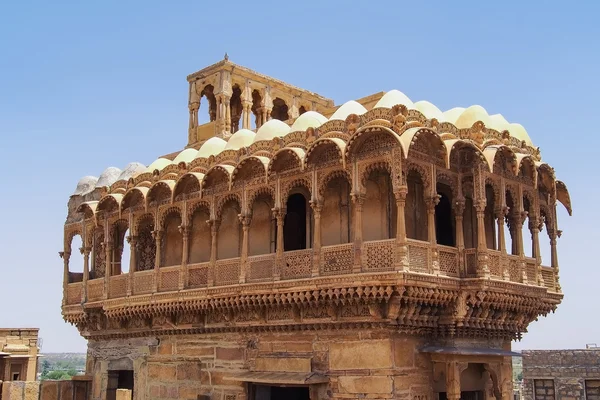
<point x="376" y="256"/>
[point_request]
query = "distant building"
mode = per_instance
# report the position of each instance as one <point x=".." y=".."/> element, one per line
<point x="18" y="354"/>
<point x="561" y="374"/>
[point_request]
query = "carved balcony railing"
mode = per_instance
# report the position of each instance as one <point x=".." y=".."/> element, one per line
<point x="74" y="293"/>
<point x="419" y="255"/>
<point x="143" y="282"/>
<point x="297" y="264"/>
<point x="197" y="275"/>
<point x="117" y="287"/>
<point x="376" y="256"/>
<point x="168" y="279"/>
<point x="337" y="259"/>
<point x="95" y="289"/>
<point x="261" y="268"/>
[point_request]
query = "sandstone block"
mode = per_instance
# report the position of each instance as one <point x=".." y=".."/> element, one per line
<point x="162" y="372"/>
<point x="365" y="384"/>
<point x="370" y="354"/>
<point x="165" y="349"/>
<point x="288" y="364"/>
<point x="123" y="394"/>
<point x="230" y="354"/>
<point x="189" y="372"/>
<point x="49" y="391"/>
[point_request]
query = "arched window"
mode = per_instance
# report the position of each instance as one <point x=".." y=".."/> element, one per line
<point x="76" y="260"/>
<point x="211" y="115"/>
<point x="261" y="236"/>
<point x="295" y="223"/>
<point x="235" y="105"/>
<point x="415" y="212"/>
<point x="256" y="110"/>
<point x="146" y="245"/>
<point x="119" y="233"/>
<point x="490" y="218"/>
<point x="228" y="243"/>
<point x="280" y="110"/>
<point x="301" y="110"/>
<point x="200" y="237"/>
<point x="98" y="255"/>
<point x="444" y="220"/>
<point x="172" y="240"/>
<point x="526" y="231"/>
<point x="379" y="210"/>
<point x="126" y="254"/>
<point x="336" y="215"/>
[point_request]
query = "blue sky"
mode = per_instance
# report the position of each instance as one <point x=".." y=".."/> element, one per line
<point x="87" y="85"/>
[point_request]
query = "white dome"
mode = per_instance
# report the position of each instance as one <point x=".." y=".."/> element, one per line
<point x="271" y="129"/>
<point x="498" y="122"/>
<point x="242" y="138"/>
<point x="393" y="97"/>
<point x="429" y="110"/>
<point x="472" y="115"/>
<point x="186" y="155"/>
<point x="452" y="114"/>
<point x="158" y="164"/>
<point x="310" y="119"/>
<point x="519" y="132"/>
<point x="211" y="147"/>
<point x="132" y="170"/>
<point x="108" y="177"/>
<point x="85" y="185"/>
<point x="349" y="107"/>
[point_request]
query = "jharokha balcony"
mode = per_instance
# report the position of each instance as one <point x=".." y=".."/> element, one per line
<point x="404" y="242"/>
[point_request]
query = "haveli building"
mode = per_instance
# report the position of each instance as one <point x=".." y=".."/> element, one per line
<point x="369" y="250"/>
<point x="19" y="354"/>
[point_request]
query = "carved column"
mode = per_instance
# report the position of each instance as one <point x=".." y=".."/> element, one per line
<point x="193" y="107"/>
<point x="279" y="261"/>
<point x="247" y="113"/>
<point x="108" y="268"/>
<point x="132" y="240"/>
<point x="317" y="208"/>
<point x="459" y="211"/>
<point x="245" y="221"/>
<point x="500" y="217"/>
<point x="554" y="234"/>
<point x="359" y="201"/>
<point x="157" y="235"/>
<point x="183" y="274"/>
<point x="431" y="236"/>
<point x="214" y="230"/>
<point x="86" y="271"/>
<point x="65" y="255"/>
<point x="482" y="267"/>
<point x="401" y="260"/>
<point x="453" y="371"/>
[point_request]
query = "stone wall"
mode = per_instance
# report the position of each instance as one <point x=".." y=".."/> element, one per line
<point x="371" y="363"/>
<point x="47" y="390"/>
<point x="561" y="374"/>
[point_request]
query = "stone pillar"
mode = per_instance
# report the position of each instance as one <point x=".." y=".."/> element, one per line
<point x="459" y="211"/>
<point x="245" y="221"/>
<point x="401" y="262"/>
<point x="227" y="100"/>
<point x="108" y="267"/>
<point x="554" y="234"/>
<point x="500" y="217"/>
<point x="431" y="236"/>
<point x="86" y="271"/>
<point x="359" y="201"/>
<point x="279" y="261"/>
<point x="452" y="380"/>
<point x="214" y="230"/>
<point x="132" y="240"/>
<point x="183" y="273"/>
<point x="482" y="266"/>
<point x="246" y="114"/>
<point x="65" y="255"/>
<point x="317" y="208"/>
<point x="193" y="107"/>
<point x="157" y="261"/>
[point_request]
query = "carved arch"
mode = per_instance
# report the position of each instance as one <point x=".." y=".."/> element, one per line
<point x="303" y="182"/>
<point x="324" y="181"/>
<point x="165" y="213"/>
<point x="248" y="163"/>
<point x="223" y="200"/>
<point x="361" y="135"/>
<point x="284" y="154"/>
<point x="320" y="144"/>
<point x="194" y="207"/>
<point x="134" y="197"/>
<point x="252" y="195"/>
<point x="188" y="183"/>
<point x="159" y="191"/>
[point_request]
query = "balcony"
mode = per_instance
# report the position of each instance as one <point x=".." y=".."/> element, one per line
<point x="424" y="260"/>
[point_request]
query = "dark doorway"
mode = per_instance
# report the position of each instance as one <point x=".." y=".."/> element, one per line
<point x="121" y="379"/>
<point x="294" y="225"/>
<point x="262" y="392"/>
<point x="444" y="226"/>
<point x="474" y="395"/>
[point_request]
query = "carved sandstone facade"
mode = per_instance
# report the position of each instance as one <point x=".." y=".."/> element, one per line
<point x="376" y="248"/>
